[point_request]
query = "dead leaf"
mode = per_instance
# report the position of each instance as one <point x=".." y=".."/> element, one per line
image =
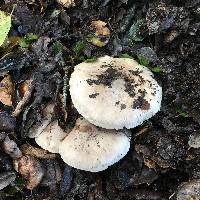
<point x="189" y="190"/>
<point x="67" y="3"/>
<point x="27" y="89"/>
<point x="36" y="152"/>
<point x="31" y="169"/>
<point x="24" y="87"/>
<point x="149" y="163"/>
<point x="100" y="28"/>
<point x="6" y="90"/>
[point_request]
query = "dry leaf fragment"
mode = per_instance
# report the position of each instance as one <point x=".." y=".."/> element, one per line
<point x="100" y="28"/>
<point x="36" y="152"/>
<point x="27" y="89"/>
<point x="189" y="190"/>
<point x="6" y="90"/>
<point x="31" y="169"/>
<point x="24" y="87"/>
<point x="67" y="3"/>
<point x="149" y="163"/>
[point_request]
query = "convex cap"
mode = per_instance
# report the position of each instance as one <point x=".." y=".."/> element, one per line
<point x="51" y="137"/>
<point x="115" y="93"/>
<point x="91" y="148"/>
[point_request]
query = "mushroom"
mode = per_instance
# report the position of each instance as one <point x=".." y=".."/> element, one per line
<point x="115" y="93"/>
<point x="91" y="148"/>
<point x="50" y="138"/>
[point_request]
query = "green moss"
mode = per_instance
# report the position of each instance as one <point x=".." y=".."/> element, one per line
<point x="27" y="40"/>
<point x="125" y="55"/>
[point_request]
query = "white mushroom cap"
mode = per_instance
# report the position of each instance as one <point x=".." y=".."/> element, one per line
<point x="114" y="93"/>
<point x="91" y="148"/>
<point x="51" y="137"/>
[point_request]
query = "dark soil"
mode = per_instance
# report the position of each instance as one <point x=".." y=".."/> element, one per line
<point x="166" y="33"/>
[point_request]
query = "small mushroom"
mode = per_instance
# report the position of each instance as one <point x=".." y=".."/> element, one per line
<point x="115" y="93"/>
<point x="90" y="148"/>
<point x="51" y="137"/>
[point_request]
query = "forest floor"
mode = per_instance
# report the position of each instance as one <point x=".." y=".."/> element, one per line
<point x="46" y="41"/>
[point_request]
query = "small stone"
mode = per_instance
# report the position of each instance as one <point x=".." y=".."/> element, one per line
<point x="7" y="122"/>
<point x="10" y="147"/>
<point x="194" y="140"/>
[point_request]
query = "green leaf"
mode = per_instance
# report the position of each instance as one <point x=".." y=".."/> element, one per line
<point x="5" y="25"/>
<point x="57" y="47"/>
<point x="95" y="40"/>
<point x="91" y="59"/>
<point x="156" y="69"/>
<point x="20" y="182"/>
<point x="125" y="55"/>
<point x="81" y="58"/>
<point x="182" y="113"/>
<point x="79" y="47"/>
<point x="55" y="13"/>
<point x="18" y="186"/>
<point x="143" y="61"/>
<point x="134" y="32"/>
<point x="27" y="40"/>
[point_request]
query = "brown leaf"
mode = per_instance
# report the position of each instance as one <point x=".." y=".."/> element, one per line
<point x="148" y="154"/>
<point x="189" y="190"/>
<point x="26" y="92"/>
<point x="100" y="28"/>
<point x="6" y="90"/>
<point x="31" y="169"/>
<point x="36" y="152"/>
<point x="149" y="163"/>
<point x="67" y="3"/>
<point x="24" y="87"/>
